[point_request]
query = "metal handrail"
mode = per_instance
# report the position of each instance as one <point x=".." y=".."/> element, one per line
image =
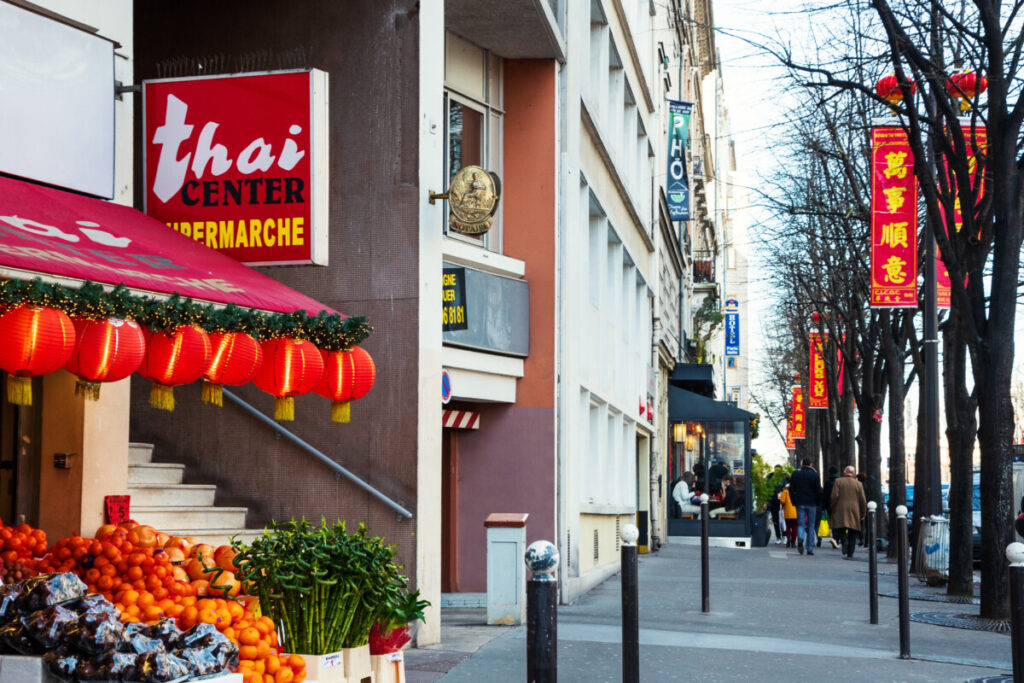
<point x="338" y="469"/>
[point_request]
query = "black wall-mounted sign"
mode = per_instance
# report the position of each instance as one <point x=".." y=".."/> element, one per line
<point x="497" y="312"/>
<point x="453" y="300"/>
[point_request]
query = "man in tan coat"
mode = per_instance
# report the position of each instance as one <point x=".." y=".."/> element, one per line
<point x="849" y="506"/>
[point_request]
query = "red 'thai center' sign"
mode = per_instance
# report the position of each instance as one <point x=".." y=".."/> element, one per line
<point x="238" y="163"/>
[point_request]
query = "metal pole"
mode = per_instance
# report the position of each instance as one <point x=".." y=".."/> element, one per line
<point x="542" y="613"/>
<point x="872" y="562"/>
<point x="904" y="581"/>
<point x="630" y="606"/>
<point x="1015" y="554"/>
<point x="705" y="571"/>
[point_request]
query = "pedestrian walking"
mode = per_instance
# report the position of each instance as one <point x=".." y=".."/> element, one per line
<point x="805" y="491"/>
<point x="788" y="516"/>
<point x="849" y="505"/>
<point x="775" y="505"/>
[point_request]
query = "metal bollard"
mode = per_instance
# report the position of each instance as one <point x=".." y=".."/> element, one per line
<point x="630" y="606"/>
<point x="1015" y="554"/>
<point x="542" y="613"/>
<point x="904" y="580"/>
<point x="705" y="570"/>
<point x="872" y="562"/>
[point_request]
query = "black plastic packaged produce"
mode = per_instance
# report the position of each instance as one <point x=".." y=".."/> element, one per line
<point x="43" y="591"/>
<point x="62" y="662"/>
<point x="92" y="603"/>
<point x="16" y="639"/>
<point x="110" y="666"/>
<point x="203" y="635"/>
<point x="47" y="626"/>
<point x="200" y="662"/>
<point x="154" y="667"/>
<point x="9" y="594"/>
<point x="166" y="631"/>
<point x="140" y="644"/>
<point x="224" y="652"/>
<point x="95" y="633"/>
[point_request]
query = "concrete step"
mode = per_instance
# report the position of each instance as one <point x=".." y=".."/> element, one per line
<point x="217" y="536"/>
<point x="184" y="495"/>
<point x="155" y="473"/>
<point x="140" y="453"/>
<point x="196" y="518"/>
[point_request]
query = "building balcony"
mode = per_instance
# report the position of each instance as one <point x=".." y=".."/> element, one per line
<point x="514" y="29"/>
<point x="703" y="266"/>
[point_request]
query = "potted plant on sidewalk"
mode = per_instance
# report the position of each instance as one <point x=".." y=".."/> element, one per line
<point x="325" y="589"/>
<point x="391" y="634"/>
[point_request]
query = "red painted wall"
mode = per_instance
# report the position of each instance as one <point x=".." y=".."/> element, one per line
<point x="509" y="464"/>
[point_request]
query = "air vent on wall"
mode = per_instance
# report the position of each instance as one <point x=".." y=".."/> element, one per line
<point x="596" y="554"/>
<point x="617" y="521"/>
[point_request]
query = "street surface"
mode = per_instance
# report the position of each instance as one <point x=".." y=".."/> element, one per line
<point x="775" y="616"/>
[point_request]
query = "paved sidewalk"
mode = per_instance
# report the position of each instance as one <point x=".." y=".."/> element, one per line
<point x="776" y="616"/>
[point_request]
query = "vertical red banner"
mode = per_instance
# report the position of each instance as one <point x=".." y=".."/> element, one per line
<point x="799" y="414"/>
<point x="790" y="443"/>
<point x="818" y="385"/>
<point x="979" y="143"/>
<point x="893" y="220"/>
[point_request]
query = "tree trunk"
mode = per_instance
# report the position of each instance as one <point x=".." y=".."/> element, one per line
<point x="897" y="445"/>
<point x="920" y="459"/>
<point x="961" y="426"/>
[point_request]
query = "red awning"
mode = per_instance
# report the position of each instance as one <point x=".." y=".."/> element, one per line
<point x="55" y="233"/>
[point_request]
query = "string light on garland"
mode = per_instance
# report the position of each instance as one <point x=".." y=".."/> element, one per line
<point x="36" y="340"/>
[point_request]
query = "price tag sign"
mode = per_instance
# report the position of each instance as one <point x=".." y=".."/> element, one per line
<point x="118" y="508"/>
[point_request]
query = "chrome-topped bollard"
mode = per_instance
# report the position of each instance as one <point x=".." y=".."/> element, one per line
<point x="705" y="569"/>
<point x="630" y="606"/>
<point x="904" y="580"/>
<point x="542" y="613"/>
<point x="872" y="562"/>
<point x="1015" y="554"/>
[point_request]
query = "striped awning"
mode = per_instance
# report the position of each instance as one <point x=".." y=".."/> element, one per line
<point x="460" y="419"/>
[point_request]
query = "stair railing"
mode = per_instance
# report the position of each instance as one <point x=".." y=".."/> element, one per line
<point x="339" y="471"/>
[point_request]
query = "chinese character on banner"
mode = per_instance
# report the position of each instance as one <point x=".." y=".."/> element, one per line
<point x="799" y="414"/>
<point x="979" y="142"/>
<point x="817" y="383"/>
<point x="893" y="222"/>
<point x="790" y="442"/>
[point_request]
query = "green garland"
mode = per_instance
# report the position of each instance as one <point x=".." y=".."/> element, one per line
<point x="327" y="331"/>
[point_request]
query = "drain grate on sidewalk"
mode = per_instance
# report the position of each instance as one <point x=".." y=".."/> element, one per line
<point x="937" y="597"/>
<point x="970" y="622"/>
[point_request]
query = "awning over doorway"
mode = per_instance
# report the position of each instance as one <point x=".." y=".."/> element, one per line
<point x="684" y="406"/>
<point x="62" y="235"/>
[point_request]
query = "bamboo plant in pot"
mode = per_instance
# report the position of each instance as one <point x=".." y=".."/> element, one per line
<point x="325" y="589"/>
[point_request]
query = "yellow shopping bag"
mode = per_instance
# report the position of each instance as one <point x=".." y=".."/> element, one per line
<point x="823" y="530"/>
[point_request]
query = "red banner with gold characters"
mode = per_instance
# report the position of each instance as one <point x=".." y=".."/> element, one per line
<point x="979" y="143"/>
<point x="799" y="414"/>
<point x="790" y="443"/>
<point x="893" y="220"/>
<point x="818" y="385"/>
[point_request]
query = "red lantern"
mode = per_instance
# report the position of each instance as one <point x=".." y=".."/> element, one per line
<point x="34" y="340"/>
<point x="348" y="376"/>
<point x="107" y="351"/>
<point x="173" y="358"/>
<point x="966" y="87"/>
<point x="235" y="359"/>
<point x="815" y="317"/>
<point x="291" y="367"/>
<point x="889" y="88"/>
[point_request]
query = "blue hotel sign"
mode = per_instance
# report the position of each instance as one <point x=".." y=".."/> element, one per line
<point x="732" y="327"/>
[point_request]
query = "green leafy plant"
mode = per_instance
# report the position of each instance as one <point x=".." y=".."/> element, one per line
<point x="765" y="479"/>
<point x="323" y="587"/>
<point x="706" y="320"/>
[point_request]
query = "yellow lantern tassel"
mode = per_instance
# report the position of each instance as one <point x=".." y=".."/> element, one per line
<point x="965" y="104"/>
<point x="284" y="408"/>
<point x="19" y="390"/>
<point x="90" y="390"/>
<point x="341" y="411"/>
<point x="213" y="393"/>
<point x="161" y="397"/>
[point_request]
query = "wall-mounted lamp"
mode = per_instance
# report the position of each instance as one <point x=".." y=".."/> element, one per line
<point x="678" y="432"/>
